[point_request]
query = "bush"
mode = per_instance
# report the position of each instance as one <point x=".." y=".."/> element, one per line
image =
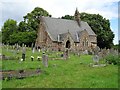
<point x="112" y="59"/>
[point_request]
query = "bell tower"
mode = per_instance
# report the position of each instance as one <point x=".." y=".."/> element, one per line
<point x="77" y="16"/>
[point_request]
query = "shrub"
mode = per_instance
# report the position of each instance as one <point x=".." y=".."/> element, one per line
<point x="112" y="59"/>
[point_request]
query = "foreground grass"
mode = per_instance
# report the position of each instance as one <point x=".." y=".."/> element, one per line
<point x="69" y="74"/>
<point x="72" y="73"/>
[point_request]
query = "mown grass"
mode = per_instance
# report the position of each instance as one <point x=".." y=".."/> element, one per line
<point x="72" y="73"/>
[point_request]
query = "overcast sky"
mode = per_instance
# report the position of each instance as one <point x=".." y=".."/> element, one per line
<point x="16" y="9"/>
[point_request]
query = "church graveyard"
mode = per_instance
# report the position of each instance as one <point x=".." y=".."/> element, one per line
<point x="54" y="65"/>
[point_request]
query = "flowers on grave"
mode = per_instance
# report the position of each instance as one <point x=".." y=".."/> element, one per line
<point x="21" y="59"/>
<point x="32" y="58"/>
<point x="38" y="58"/>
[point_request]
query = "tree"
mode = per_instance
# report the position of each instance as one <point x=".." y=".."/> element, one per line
<point x="68" y="17"/>
<point x="23" y="37"/>
<point x="100" y="26"/>
<point x="22" y="27"/>
<point x="27" y="29"/>
<point x="32" y="19"/>
<point x="8" y="28"/>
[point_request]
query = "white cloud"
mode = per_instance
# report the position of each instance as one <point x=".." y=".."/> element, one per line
<point x="16" y="9"/>
<point x="60" y="8"/>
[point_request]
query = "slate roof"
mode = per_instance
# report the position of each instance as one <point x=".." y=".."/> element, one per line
<point x="55" y="27"/>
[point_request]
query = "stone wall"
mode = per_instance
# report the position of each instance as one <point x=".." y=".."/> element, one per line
<point x="43" y="39"/>
<point x="93" y="41"/>
<point x="84" y="40"/>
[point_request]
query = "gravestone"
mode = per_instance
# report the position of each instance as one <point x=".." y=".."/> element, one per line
<point x="96" y="59"/>
<point x="79" y="54"/>
<point x="45" y="60"/>
<point x="96" y="50"/>
<point x="66" y="54"/>
<point x="39" y="50"/>
<point x="17" y="48"/>
<point x="104" y="52"/>
<point x="85" y="52"/>
<point x="32" y="46"/>
<point x="100" y="55"/>
<point x="33" y="50"/>
<point x="23" y="53"/>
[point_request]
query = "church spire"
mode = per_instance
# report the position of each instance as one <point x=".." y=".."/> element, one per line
<point x="77" y="16"/>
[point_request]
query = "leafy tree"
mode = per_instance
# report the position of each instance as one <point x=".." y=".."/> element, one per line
<point x="8" y="28"/>
<point x="68" y="17"/>
<point x="26" y="31"/>
<point x="22" y="26"/>
<point x="32" y="19"/>
<point x="23" y="37"/>
<point x="28" y="28"/>
<point x="100" y="26"/>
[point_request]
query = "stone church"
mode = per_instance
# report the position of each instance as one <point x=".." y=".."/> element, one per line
<point x="59" y="34"/>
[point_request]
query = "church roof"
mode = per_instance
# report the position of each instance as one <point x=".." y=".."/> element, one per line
<point x="56" y="26"/>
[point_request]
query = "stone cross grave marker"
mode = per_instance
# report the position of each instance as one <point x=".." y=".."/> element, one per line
<point x="45" y="60"/>
<point x="96" y="59"/>
<point x="96" y="50"/>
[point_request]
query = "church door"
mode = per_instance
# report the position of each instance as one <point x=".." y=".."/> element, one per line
<point x="68" y="44"/>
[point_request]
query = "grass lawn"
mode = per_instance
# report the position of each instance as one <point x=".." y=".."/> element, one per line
<point x="72" y="73"/>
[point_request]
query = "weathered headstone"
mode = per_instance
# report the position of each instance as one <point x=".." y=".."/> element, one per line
<point x="96" y="59"/>
<point x="85" y="52"/>
<point x="66" y="54"/>
<point x="45" y="60"/>
<point x="78" y="53"/>
<point x="33" y="50"/>
<point x="23" y="52"/>
<point x="96" y="50"/>
<point x="32" y="46"/>
<point x="39" y="50"/>
<point x="17" y="48"/>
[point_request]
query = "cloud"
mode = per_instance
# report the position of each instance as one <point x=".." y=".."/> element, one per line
<point x="16" y="9"/>
<point x="58" y="8"/>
